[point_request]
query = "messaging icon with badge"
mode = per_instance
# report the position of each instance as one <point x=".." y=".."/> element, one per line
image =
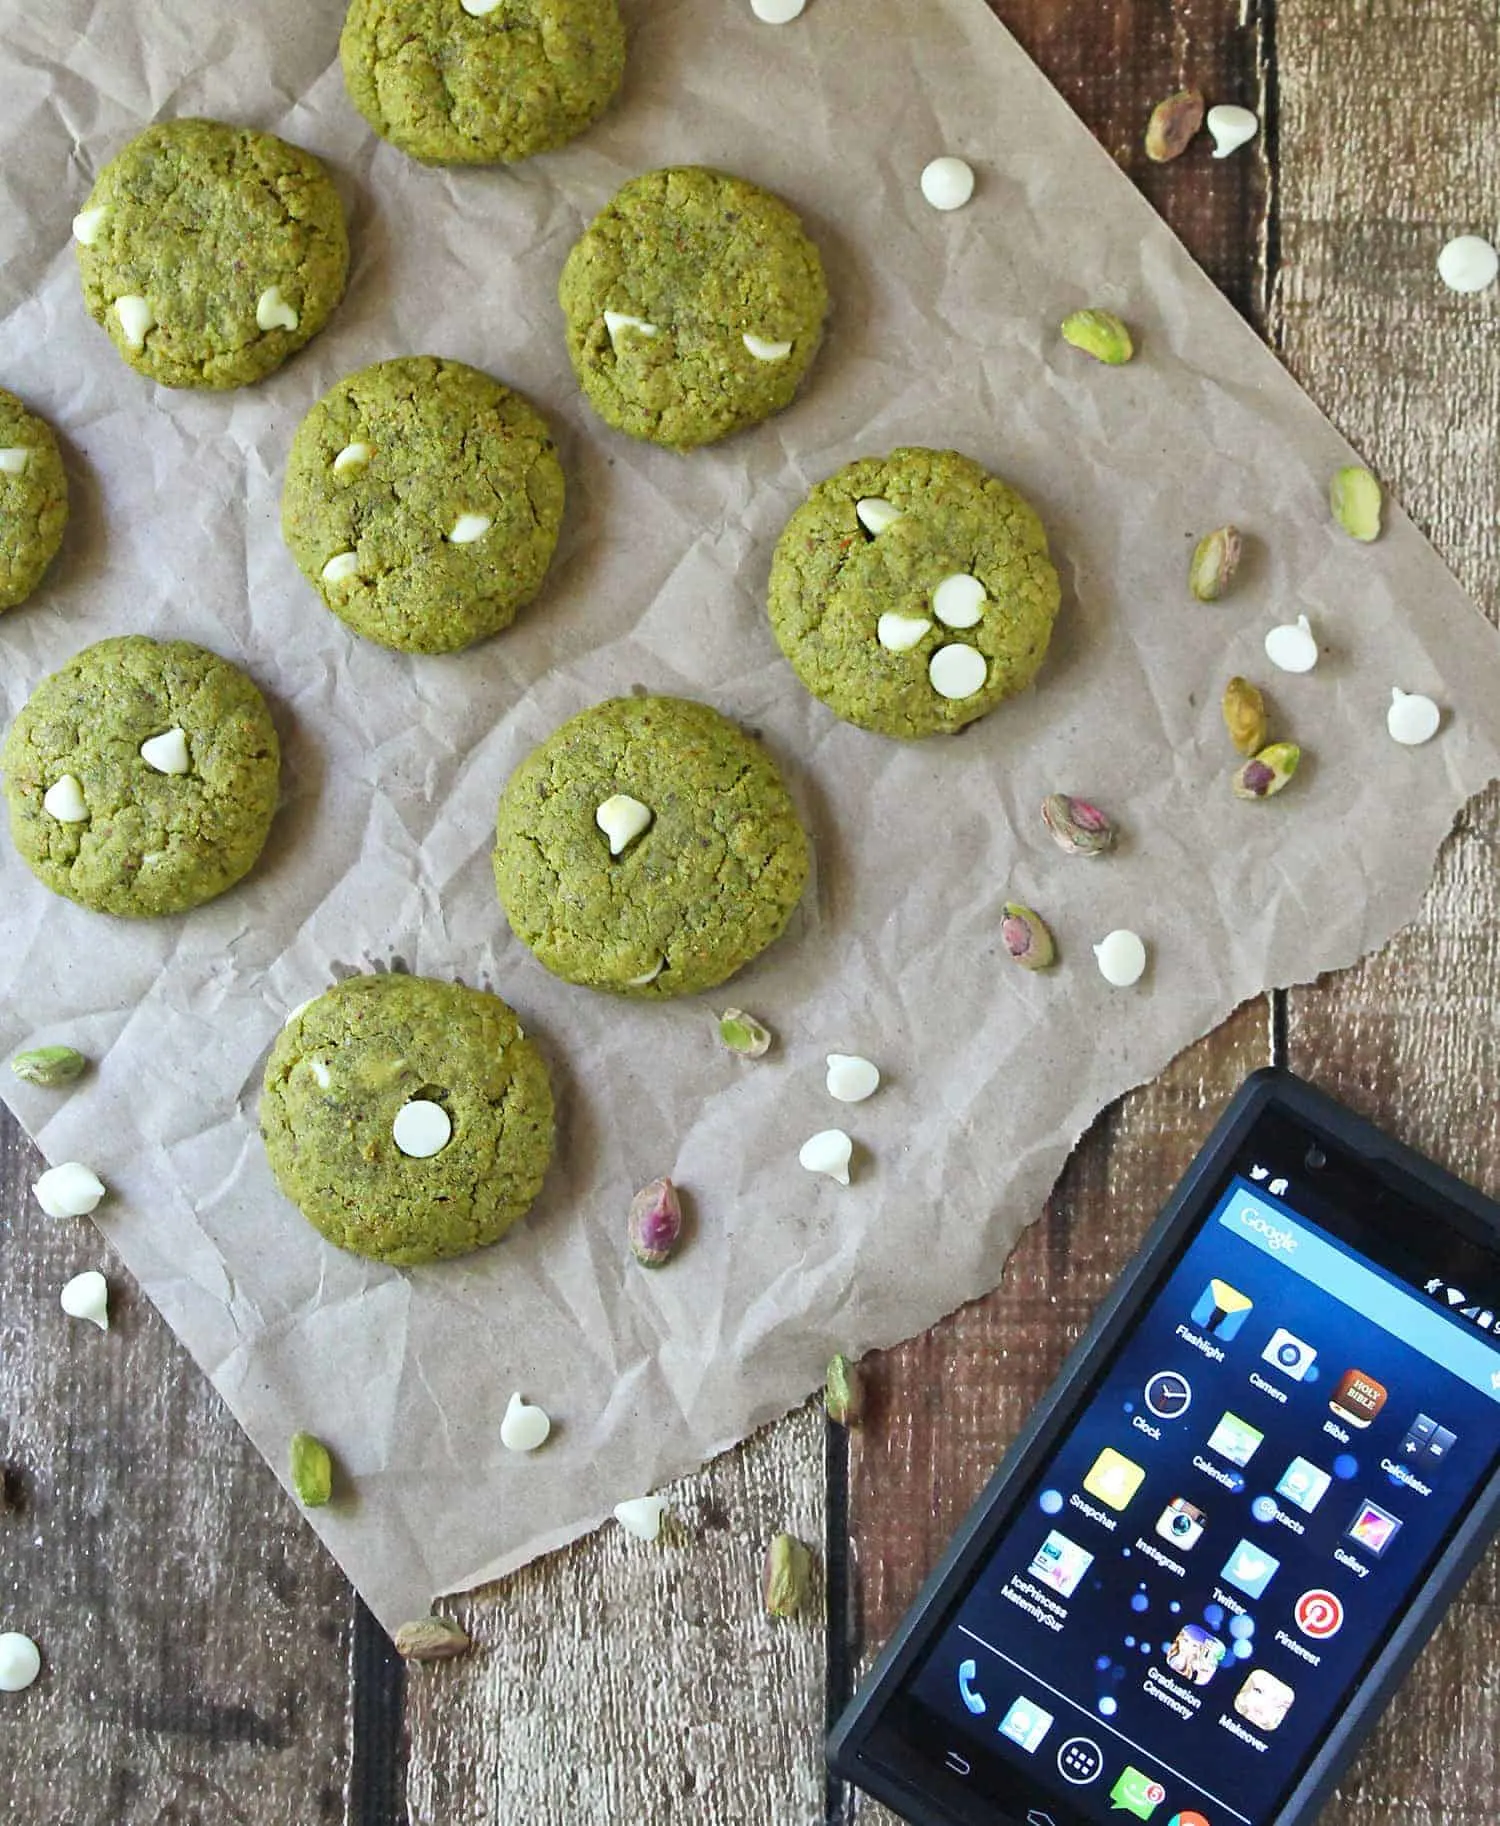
<point x="1135" y="1792"/>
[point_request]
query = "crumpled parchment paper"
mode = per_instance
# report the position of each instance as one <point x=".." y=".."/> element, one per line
<point x="944" y="332"/>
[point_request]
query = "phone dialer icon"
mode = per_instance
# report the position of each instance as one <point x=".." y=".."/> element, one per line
<point x="1080" y="1761"/>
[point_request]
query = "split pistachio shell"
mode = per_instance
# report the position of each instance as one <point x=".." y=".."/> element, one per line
<point x="850" y="1078"/>
<point x="1172" y="125"/>
<point x="786" y="1577"/>
<point x="828" y="1152"/>
<point x="86" y="1296"/>
<point x="1356" y="500"/>
<point x="1412" y="719"/>
<point x="20" y="1662"/>
<point x="1025" y="936"/>
<point x="70" y="1190"/>
<point x="431" y="1639"/>
<point x="312" y="1470"/>
<point x="1268" y="772"/>
<point x="1293" y="647"/>
<point x="1100" y="334"/>
<point x="1215" y="561"/>
<point x="743" y="1034"/>
<point x="1245" y="715"/>
<point x="1076" y="826"/>
<point x="525" y="1426"/>
<point x="641" y="1516"/>
<point x="843" y="1392"/>
<point x="49" y="1066"/>
<point x="1122" y="958"/>
<point x="655" y="1223"/>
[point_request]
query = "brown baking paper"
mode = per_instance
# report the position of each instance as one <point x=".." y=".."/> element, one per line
<point x="943" y="332"/>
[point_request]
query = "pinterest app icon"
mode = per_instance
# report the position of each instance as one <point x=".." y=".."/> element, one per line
<point x="1319" y="1615"/>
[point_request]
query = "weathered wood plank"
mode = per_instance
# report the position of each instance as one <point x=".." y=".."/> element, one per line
<point x="1391" y="137"/>
<point x="617" y="1681"/>
<point x="195" y="1635"/>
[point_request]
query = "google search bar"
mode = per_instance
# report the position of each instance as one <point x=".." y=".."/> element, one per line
<point x="1392" y="1308"/>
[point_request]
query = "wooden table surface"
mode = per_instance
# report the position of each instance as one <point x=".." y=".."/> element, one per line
<point x="205" y="1661"/>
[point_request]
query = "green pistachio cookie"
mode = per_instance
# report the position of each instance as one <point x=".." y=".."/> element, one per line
<point x="913" y="593"/>
<point x="648" y="847"/>
<point x="407" y="1120"/>
<point x="142" y="777"/>
<point x="423" y="502"/>
<point x="695" y="304"/>
<point x="482" y="82"/>
<point x="211" y="253"/>
<point x="33" y="500"/>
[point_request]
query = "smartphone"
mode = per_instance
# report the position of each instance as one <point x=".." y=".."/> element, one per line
<point x="1235" y="1518"/>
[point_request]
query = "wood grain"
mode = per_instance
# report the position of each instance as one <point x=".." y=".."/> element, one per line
<point x="195" y="1635"/>
<point x="1390" y="133"/>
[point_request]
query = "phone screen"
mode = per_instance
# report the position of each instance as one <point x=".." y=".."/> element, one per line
<point x="1174" y="1610"/>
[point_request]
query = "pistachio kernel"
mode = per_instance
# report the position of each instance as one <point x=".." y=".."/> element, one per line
<point x="312" y="1470"/>
<point x="1100" y="334"/>
<point x="1267" y="773"/>
<point x="1356" y="499"/>
<point x="1215" y="561"/>
<point x="1076" y="826"/>
<point x="655" y="1223"/>
<point x="1025" y="936"/>
<point x="1245" y="715"/>
<point x="786" y="1577"/>
<point x="1172" y="125"/>
<point x="49" y="1066"/>
<point x="743" y="1034"/>
<point x="431" y="1639"/>
<point x="843" y="1392"/>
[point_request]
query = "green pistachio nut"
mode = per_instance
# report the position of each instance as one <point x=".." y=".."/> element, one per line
<point x="1100" y="334"/>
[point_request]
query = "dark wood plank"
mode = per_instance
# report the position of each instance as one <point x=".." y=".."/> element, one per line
<point x="1412" y="374"/>
<point x="195" y="1635"/>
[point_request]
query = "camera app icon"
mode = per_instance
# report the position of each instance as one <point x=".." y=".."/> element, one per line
<point x="1289" y="1354"/>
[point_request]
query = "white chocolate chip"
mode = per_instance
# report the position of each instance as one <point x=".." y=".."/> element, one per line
<point x="829" y="1152"/>
<point x="476" y="9"/>
<point x="1231" y="128"/>
<point x="1122" y="958"/>
<point x="14" y="460"/>
<point x="301" y="1008"/>
<point x="777" y="12"/>
<point x="900" y="633"/>
<point x="86" y="1296"/>
<point x="641" y="1516"/>
<point x="64" y="801"/>
<point x="766" y="351"/>
<point x="70" y="1190"/>
<point x="957" y="671"/>
<point x="958" y="601"/>
<point x="20" y="1662"/>
<point x="352" y="456"/>
<point x="1293" y="646"/>
<point x="421" y="1129"/>
<point x="469" y="527"/>
<point x="1468" y="264"/>
<point x="616" y="321"/>
<point x="648" y="976"/>
<point x="272" y="312"/>
<point x="137" y="319"/>
<point x="875" y="514"/>
<point x="524" y="1427"/>
<point x="87" y="225"/>
<point x="1412" y="719"/>
<point x="850" y="1078"/>
<point x="341" y="567"/>
<point x="321" y="1075"/>
<point x="948" y="183"/>
<point x="622" y="819"/>
<point x="167" y="753"/>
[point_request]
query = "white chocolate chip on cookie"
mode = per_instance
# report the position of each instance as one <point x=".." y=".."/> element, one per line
<point x="352" y="456"/>
<point x="14" y="460"/>
<point x="88" y="224"/>
<point x="875" y="514"/>
<point x="272" y="312"/>
<point x="167" y="752"/>
<point x="341" y="567"/>
<point x="616" y="321"/>
<point x="957" y="671"/>
<point x="137" y="320"/>
<point x="421" y="1129"/>
<point x="900" y="633"/>
<point x="64" y="801"/>
<point x="958" y="601"/>
<point x="766" y="351"/>
<point x="469" y="527"/>
<point x="622" y="819"/>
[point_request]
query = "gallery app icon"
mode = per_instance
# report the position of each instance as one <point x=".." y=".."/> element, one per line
<point x="1319" y="1614"/>
<point x="1235" y="1439"/>
<point x="1026" y="1724"/>
<point x="1304" y="1484"/>
<point x="1373" y="1528"/>
<point x="1426" y="1442"/>
<point x="1060" y="1563"/>
<point x="1289" y="1354"/>
<point x="1195" y="1654"/>
<point x="1250" y="1569"/>
<point x="1135" y="1792"/>
<point x="1182" y="1523"/>
<point x="1263" y="1700"/>
<point x="1358" y="1398"/>
<point x="1114" y="1478"/>
<point x="1222" y="1310"/>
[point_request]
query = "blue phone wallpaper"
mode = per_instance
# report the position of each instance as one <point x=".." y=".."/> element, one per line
<point x="1240" y="1512"/>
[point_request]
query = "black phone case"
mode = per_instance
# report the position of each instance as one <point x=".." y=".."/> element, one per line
<point x="941" y="1802"/>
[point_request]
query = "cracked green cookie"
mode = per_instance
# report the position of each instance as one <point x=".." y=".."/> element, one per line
<point x="408" y="1120"/>
<point x="694" y="305"/>
<point x="142" y="778"/>
<point x="913" y="593"/>
<point x="648" y="847"/>
<point x="482" y="82"/>
<point x="423" y="502"/>
<point x="210" y="253"/>
<point x="33" y="500"/>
